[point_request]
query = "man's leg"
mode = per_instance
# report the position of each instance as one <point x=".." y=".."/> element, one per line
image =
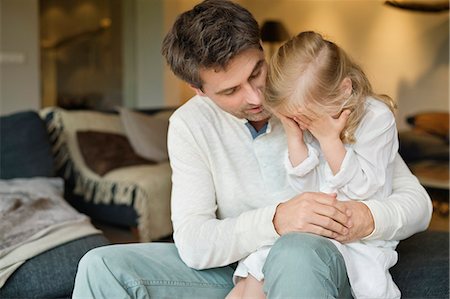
<point x="303" y="265"/>
<point x="151" y="270"/>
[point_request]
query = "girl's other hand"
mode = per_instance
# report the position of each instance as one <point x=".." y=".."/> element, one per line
<point x="291" y="127"/>
<point x="324" y="127"/>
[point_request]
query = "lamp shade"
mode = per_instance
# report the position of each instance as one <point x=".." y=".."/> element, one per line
<point x="273" y="31"/>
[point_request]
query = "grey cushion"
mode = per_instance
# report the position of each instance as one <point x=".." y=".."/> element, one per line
<point x="52" y="273"/>
<point x="422" y="269"/>
<point x="25" y="149"/>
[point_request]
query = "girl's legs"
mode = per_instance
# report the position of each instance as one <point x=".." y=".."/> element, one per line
<point x="247" y="288"/>
<point x="238" y="291"/>
<point x="253" y="288"/>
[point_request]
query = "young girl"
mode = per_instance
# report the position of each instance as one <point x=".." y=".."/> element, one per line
<point x="342" y="139"/>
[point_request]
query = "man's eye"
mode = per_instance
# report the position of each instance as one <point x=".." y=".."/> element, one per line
<point x="229" y="92"/>
<point x="255" y="75"/>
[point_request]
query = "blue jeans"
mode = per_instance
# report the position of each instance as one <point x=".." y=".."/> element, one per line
<point x="299" y="266"/>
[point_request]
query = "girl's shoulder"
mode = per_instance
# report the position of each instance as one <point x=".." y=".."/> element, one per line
<point x="377" y="111"/>
<point x="377" y="116"/>
<point x="376" y="106"/>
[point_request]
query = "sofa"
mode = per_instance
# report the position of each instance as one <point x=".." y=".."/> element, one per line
<point x="425" y="148"/>
<point x="115" y="165"/>
<point x="47" y="258"/>
<point x="421" y="272"/>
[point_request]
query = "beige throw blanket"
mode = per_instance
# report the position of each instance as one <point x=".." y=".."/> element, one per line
<point x="34" y="218"/>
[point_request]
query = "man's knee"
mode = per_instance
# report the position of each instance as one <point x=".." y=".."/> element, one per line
<point x="303" y="248"/>
<point x="301" y="264"/>
<point x="93" y="259"/>
<point x="306" y="253"/>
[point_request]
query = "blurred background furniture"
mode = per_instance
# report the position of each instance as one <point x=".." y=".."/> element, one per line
<point x="25" y="152"/>
<point x="105" y="177"/>
<point x="425" y="149"/>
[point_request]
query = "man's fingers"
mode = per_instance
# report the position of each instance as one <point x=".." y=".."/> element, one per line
<point x="330" y="224"/>
<point x="331" y="212"/>
<point x="330" y="200"/>
<point x="331" y="208"/>
<point x="319" y="230"/>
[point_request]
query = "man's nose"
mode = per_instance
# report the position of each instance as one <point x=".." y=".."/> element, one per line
<point x="253" y="94"/>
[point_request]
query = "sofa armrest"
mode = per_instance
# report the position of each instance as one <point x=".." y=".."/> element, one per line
<point x="422" y="269"/>
<point x="25" y="149"/>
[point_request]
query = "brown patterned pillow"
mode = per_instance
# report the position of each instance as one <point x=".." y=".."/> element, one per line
<point x="103" y="152"/>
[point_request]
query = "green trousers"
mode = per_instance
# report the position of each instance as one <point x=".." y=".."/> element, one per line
<point x="299" y="265"/>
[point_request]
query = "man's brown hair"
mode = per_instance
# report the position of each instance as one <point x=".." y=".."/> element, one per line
<point x="209" y="36"/>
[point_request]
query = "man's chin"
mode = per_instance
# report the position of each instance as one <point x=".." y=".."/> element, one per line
<point x="263" y="115"/>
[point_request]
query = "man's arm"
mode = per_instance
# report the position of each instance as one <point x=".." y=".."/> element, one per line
<point x="202" y="240"/>
<point x="405" y="212"/>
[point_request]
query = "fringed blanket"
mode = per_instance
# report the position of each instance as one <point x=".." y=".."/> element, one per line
<point x="146" y="188"/>
<point x="34" y="217"/>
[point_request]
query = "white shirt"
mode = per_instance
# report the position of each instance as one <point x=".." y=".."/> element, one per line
<point x="226" y="186"/>
<point x="368" y="166"/>
<point x="366" y="172"/>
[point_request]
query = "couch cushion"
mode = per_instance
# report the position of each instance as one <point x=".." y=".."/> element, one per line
<point x="422" y="269"/>
<point x="149" y="197"/>
<point x="52" y="273"/>
<point x="25" y="150"/>
<point x="103" y="152"/>
<point x="147" y="134"/>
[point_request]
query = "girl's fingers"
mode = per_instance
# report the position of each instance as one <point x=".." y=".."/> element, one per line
<point x="303" y="118"/>
<point x="303" y="126"/>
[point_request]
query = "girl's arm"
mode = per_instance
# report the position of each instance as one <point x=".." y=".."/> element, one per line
<point x="297" y="149"/>
<point x="367" y="167"/>
<point x="327" y="130"/>
<point x="361" y="170"/>
<point x="301" y="159"/>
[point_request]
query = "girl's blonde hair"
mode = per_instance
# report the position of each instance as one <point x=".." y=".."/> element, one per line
<point x="307" y="72"/>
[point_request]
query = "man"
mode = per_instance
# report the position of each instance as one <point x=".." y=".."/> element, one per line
<point x="230" y="194"/>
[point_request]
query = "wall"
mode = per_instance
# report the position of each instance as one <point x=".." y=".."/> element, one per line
<point x="19" y="56"/>
<point x="143" y="65"/>
<point x="404" y="53"/>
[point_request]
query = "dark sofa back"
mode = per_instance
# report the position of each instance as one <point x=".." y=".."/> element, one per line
<point x="25" y="149"/>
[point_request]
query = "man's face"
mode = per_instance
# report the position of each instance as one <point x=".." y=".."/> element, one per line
<point x="239" y="90"/>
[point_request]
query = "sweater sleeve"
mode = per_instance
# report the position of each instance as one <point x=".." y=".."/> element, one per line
<point x="364" y="168"/>
<point x="204" y="241"/>
<point x="406" y="211"/>
<point x="304" y="177"/>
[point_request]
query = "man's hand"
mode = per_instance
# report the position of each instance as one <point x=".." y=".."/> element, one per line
<point x="362" y="221"/>
<point x="312" y="212"/>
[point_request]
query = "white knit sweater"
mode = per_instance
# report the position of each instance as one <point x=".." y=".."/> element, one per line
<point x="226" y="186"/>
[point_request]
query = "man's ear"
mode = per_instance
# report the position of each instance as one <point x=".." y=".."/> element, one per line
<point x="347" y="86"/>
<point x="198" y="91"/>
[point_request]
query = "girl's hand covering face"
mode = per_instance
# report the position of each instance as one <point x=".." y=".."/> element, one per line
<point x="291" y="127"/>
<point x="323" y="127"/>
